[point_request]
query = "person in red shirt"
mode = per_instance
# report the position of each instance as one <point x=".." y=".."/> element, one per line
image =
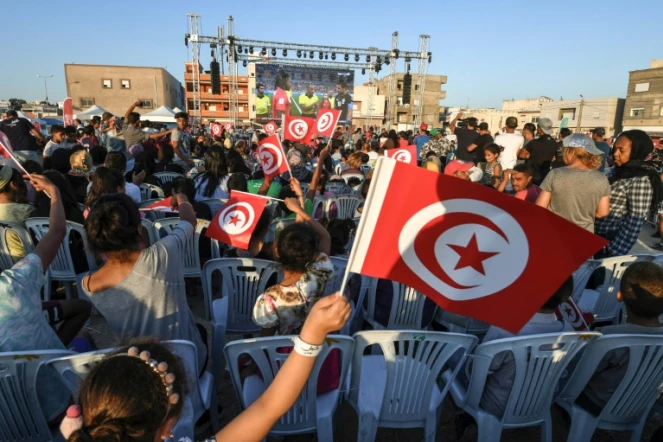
<point x="325" y="102"/>
<point x="281" y="98"/>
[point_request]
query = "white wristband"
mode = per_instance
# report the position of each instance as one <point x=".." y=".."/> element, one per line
<point x="305" y="349"/>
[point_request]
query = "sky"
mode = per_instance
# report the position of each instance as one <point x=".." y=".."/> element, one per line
<point x="490" y="51"/>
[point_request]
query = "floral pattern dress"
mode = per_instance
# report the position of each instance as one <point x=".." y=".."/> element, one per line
<point x="286" y="307"/>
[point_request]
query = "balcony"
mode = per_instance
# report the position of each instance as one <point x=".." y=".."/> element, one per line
<point x="204" y="96"/>
<point x="223" y="114"/>
<point x="225" y="79"/>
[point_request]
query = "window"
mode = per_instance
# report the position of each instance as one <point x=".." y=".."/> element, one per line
<point x="637" y="112"/>
<point x="145" y="104"/>
<point x="661" y="111"/>
<point x="399" y="100"/>
<point x="569" y="113"/>
<point x="535" y="120"/>
<point x="416" y="102"/>
<point x="596" y="115"/>
<point x="642" y="87"/>
<point x="107" y="83"/>
<point x="416" y="87"/>
<point x="125" y="84"/>
<point x="400" y="85"/>
<point x="87" y="102"/>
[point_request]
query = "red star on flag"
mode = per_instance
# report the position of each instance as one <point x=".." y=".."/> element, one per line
<point x="471" y="256"/>
<point x="234" y="219"/>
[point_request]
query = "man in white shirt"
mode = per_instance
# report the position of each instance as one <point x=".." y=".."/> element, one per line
<point x="511" y="143"/>
<point x="56" y="141"/>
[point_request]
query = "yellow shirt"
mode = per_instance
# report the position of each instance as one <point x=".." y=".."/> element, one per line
<point x="331" y="101"/>
<point x="262" y="105"/>
<point x="304" y="100"/>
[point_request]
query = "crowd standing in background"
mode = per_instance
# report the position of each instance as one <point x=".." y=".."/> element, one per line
<point x="93" y="172"/>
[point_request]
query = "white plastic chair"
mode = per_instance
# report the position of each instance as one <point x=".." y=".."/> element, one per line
<point x="540" y="361"/>
<point x="62" y="267"/>
<point x="338" y="188"/>
<point x="365" y="168"/>
<point x="319" y="205"/>
<point x="407" y="308"/>
<point x="346" y="205"/>
<point x="192" y="266"/>
<point x="148" y="227"/>
<point x="305" y="187"/>
<point x="214" y="204"/>
<point x="461" y="324"/>
<point x="73" y="369"/>
<point x="399" y="389"/>
<point x="6" y="261"/>
<point x="311" y="412"/>
<point x="607" y="308"/>
<point x="633" y="397"/>
<point x="242" y="281"/>
<point x="167" y="177"/>
<point x="147" y="189"/>
<point x="21" y="418"/>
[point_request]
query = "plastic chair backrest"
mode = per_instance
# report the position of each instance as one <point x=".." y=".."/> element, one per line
<point x="305" y="187"/>
<point x="338" y="188"/>
<point x="6" y="261"/>
<point x="152" y="215"/>
<point x="319" y="207"/>
<point x="302" y="415"/>
<point x="167" y="177"/>
<point x="334" y="283"/>
<point x="214" y="204"/>
<point x="152" y="234"/>
<point x="62" y="266"/>
<point x="188" y="354"/>
<point x="346" y="205"/>
<point x="192" y="266"/>
<point x="607" y="307"/>
<point x="21" y="418"/>
<point x="147" y="189"/>
<point x="243" y="280"/>
<point x="414" y="360"/>
<point x="540" y="361"/>
<point x="407" y="307"/>
<point x="639" y="387"/>
<point x="582" y="275"/>
<point x="365" y="168"/>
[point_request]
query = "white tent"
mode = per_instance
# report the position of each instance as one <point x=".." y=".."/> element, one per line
<point x="161" y="115"/>
<point x="177" y="109"/>
<point x="91" y="112"/>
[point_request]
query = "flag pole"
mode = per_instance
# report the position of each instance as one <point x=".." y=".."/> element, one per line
<point x="261" y="196"/>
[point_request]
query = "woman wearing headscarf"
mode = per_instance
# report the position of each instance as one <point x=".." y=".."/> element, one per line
<point x="297" y="163"/>
<point x="635" y="191"/>
<point x="79" y="175"/>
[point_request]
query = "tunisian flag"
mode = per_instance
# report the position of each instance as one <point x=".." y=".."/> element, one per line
<point x="270" y="128"/>
<point x="272" y="157"/>
<point x="473" y="251"/>
<point x="404" y="154"/>
<point x="298" y="129"/>
<point x="235" y="222"/>
<point x="68" y="112"/>
<point x="326" y="122"/>
<point x="216" y="129"/>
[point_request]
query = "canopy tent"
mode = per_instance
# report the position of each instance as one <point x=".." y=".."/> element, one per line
<point x="177" y="109"/>
<point x="161" y="115"/>
<point x="91" y="112"/>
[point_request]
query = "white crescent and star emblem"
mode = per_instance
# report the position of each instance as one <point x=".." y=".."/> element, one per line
<point x="480" y="250"/>
<point x="216" y="130"/>
<point x="571" y="315"/>
<point x="403" y="155"/>
<point x="237" y="218"/>
<point x="298" y="128"/>
<point x="325" y="122"/>
<point x="270" y="128"/>
<point x="270" y="157"/>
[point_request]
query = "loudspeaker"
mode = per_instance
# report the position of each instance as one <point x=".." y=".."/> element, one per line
<point x="215" y="73"/>
<point x="407" y="88"/>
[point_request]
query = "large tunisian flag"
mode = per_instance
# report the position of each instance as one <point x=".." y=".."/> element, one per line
<point x="235" y="222"/>
<point x="473" y="251"/>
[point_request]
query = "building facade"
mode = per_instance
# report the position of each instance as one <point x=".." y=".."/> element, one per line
<point x="217" y="107"/>
<point x="644" y="100"/>
<point x="362" y="115"/>
<point x="115" y="88"/>
<point x="583" y="115"/>
<point x="527" y="111"/>
<point x="404" y="115"/>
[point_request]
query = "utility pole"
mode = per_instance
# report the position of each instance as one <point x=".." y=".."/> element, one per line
<point x="45" y="77"/>
<point x="582" y="104"/>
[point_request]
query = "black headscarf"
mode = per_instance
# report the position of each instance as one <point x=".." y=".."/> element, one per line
<point x="638" y="165"/>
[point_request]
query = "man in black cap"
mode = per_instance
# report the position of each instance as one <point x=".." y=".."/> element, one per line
<point x="597" y="135"/>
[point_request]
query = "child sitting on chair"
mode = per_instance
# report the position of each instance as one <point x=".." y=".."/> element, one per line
<point x="641" y="289"/>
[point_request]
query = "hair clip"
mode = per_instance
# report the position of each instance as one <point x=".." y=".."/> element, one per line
<point x="160" y="368"/>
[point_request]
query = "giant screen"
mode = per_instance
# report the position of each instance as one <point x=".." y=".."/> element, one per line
<point x="301" y="91"/>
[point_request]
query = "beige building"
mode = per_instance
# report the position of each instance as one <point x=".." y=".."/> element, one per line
<point x="528" y="110"/>
<point x="644" y="100"/>
<point x="583" y="115"/>
<point x="362" y="115"/>
<point x="404" y="114"/>
<point x="115" y="88"/>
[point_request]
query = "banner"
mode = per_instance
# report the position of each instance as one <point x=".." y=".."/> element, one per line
<point x="68" y="112"/>
<point x="474" y="251"/>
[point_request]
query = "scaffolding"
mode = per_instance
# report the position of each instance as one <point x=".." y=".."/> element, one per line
<point x="424" y="59"/>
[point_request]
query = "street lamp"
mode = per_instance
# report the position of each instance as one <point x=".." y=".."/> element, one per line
<point x="45" y="77"/>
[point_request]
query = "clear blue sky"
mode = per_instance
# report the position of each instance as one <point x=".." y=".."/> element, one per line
<point x="491" y="50"/>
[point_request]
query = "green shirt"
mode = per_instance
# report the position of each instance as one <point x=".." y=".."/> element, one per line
<point x="255" y="185"/>
<point x="308" y="207"/>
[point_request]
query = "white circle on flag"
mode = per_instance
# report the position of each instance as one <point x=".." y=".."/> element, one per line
<point x="270" y="157"/>
<point x="270" y="128"/>
<point x="403" y="155"/>
<point x="216" y="130"/>
<point x="237" y="218"/>
<point x="298" y="128"/>
<point x="325" y="121"/>
<point x="507" y="252"/>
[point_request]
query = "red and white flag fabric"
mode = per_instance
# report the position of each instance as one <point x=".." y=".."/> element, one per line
<point x="235" y="222"/>
<point x="403" y="154"/>
<point x="571" y="313"/>
<point x="473" y="251"/>
<point x="298" y="129"/>
<point x="6" y="149"/>
<point x="164" y="205"/>
<point x="326" y="122"/>
<point x="228" y="126"/>
<point x="270" y="128"/>
<point x="68" y="112"/>
<point x="272" y="157"/>
<point x="216" y="129"/>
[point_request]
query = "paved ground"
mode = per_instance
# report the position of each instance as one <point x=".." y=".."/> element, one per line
<point x="346" y="419"/>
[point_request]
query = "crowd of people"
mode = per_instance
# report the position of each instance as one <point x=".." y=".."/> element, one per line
<point x="91" y="176"/>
